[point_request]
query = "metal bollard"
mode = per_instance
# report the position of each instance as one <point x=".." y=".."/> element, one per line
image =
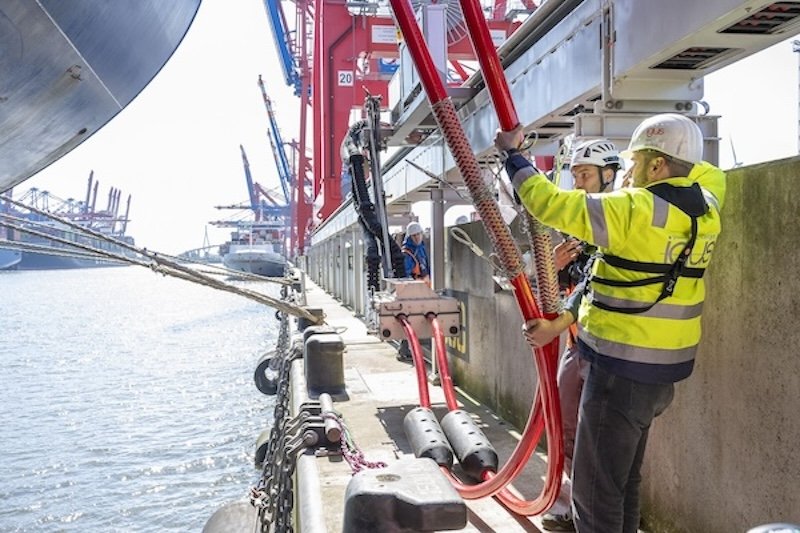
<point x="332" y="430"/>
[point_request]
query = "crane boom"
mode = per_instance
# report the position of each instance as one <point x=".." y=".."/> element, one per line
<point x="250" y="189"/>
<point x="277" y="19"/>
<point x="282" y="162"/>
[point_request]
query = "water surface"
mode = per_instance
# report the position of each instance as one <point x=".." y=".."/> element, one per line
<point x="126" y="400"/>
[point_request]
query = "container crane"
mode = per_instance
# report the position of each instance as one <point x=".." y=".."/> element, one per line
<point x="285" y="47"/>
<point x="294" y="49"/>
<point x="276" y="141"/>
<point x="347" y="46"/>
<point x="251" y="192"/>
<point x="261" y="208"/>
<point x="107" y="221"/>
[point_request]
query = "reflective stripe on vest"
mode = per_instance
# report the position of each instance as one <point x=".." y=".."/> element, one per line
<point x="416" y="272"/>
<point x="637" y="354"/>
<point x="659" y="310"/>
<point x="598" y="220"/>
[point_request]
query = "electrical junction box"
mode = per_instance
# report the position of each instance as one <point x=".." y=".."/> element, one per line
<point x="416" y="301"/>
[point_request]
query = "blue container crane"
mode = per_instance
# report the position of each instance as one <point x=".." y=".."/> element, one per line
<point x="278" y="150"/>
<point x="260" y="207"/>
<point x="283" y="43"/>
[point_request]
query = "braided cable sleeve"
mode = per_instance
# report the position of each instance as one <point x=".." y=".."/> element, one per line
<point x="544" y="262"/>
<point x="504" y="244"/>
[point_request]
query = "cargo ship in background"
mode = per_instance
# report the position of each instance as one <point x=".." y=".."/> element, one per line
<point x="9" y="259"/>
<point x="258" y="246"/>
<point x="34" y="241"/>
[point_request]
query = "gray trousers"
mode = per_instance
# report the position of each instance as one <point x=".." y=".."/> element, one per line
<point x="613" y="423"/>
<point x="572" y="372"/>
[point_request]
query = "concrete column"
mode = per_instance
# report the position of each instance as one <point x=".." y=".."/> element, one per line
<point x="436" y="244"/>
<point x="349" y="272"/>
<point x="358" y="271"/>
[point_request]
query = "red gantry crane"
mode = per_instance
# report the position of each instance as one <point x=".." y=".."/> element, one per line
<point x="351" y="50"/>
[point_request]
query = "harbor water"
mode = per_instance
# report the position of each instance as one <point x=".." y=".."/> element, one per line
<point x="128" y="401"/>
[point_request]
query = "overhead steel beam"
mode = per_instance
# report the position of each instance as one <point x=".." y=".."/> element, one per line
<point x="654" y="53"/>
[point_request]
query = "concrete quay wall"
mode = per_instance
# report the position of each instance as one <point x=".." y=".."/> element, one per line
<point x="723" y="457"/>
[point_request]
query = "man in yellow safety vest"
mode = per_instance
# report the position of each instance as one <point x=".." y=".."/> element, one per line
<point x="639" y="317"/>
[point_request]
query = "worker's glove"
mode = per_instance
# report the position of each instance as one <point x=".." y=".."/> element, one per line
<point x="506" y="141"/>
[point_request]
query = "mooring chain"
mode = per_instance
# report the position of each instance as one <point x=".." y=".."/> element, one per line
<point x="269" y="491"/>
<point x="273" y="495"/>
<point x="350" y="450"/>
<point x="264" y="495"/>
<point x="282" y="346"/>
<point x="283" y="517"/>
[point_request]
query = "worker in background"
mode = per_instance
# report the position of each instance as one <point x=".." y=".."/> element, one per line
<point x="416" y="255"/>
<point x="639" y="322"/>
<point x="416" y="263"/>
<point x="594" y="165"/>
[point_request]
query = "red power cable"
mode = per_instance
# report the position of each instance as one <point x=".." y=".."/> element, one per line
<point x="496" y="84"/>
<point x="419" y="362"/>
<point x="507" y="252"/>
<point x="441" y="362"/>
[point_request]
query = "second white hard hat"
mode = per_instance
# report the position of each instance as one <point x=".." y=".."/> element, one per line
<point x="599" y="152"/>
<point x="671" y="134"/>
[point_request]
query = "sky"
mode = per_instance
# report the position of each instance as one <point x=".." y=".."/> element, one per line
<point x="757" y="100"/>
<point x="175" y="148"/>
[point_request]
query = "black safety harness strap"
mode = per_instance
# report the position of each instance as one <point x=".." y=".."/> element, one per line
<point x="652" y="268"/>
<point x="691" y="201"/>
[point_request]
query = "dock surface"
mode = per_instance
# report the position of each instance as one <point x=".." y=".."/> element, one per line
<point x="380" y="391"/>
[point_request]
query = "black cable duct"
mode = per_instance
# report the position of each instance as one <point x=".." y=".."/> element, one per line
<point x="367" y="217"/>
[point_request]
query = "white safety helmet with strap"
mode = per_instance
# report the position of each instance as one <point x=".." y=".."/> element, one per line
<point x="671" y="134"/>
<point x="598" y="152"/>
<point x="413" y="228"/>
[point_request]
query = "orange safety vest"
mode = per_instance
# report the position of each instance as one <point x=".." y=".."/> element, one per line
<point x="416" y="272"/>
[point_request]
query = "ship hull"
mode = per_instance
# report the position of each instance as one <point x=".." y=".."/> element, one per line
<point x="258" y="262"/>
<point x="69" y="67"/>
<point x="37" y="261"/>
<point x="9" y="259"/>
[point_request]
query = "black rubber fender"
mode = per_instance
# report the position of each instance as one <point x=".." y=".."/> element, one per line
<point x="266" y="374"/>
<point x="262" y="444"/>
<point x="776" y="528"/>
<point x="234" y="516"/>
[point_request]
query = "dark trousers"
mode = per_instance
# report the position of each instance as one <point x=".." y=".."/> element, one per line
<point x="613" y="423"/>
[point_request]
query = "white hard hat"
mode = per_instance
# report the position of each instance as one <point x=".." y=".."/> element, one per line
<point x="671" y="134"/>
<point x="598" y="152"/>
<point x="413" y="228"/>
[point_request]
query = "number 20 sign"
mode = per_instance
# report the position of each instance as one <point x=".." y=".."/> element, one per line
<point x="345" y="78"/>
